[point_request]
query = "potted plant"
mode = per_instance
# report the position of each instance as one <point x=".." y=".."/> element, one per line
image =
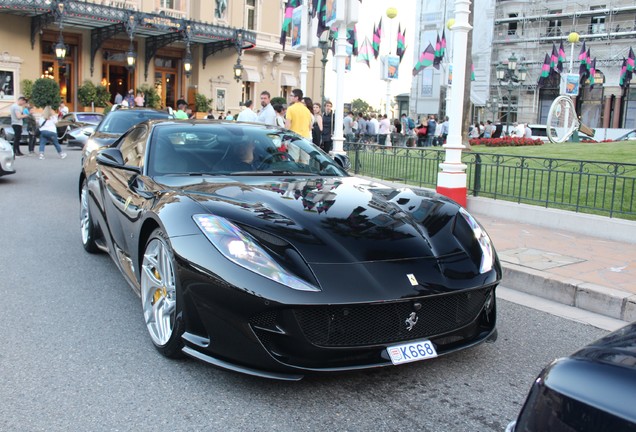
<point x="152" y="99"/>
<point x="46" y="92"/>
<point x="87" y="95"/>
<point x="102" y="98"/>
<point x="202" y="105"/>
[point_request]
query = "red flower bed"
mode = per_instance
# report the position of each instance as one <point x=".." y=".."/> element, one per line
<point x="505" y="142"/>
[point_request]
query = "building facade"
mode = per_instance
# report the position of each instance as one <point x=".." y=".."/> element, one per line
<point x="526" y="30"/>
<point x="163" y="37"/>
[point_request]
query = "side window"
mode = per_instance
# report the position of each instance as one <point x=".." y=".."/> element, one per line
<point x="132" y="148"/>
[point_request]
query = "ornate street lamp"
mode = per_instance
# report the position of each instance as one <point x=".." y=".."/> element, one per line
<point x="60" y="50"/>
<point x="131" y="55"/>
<point x="324" y="46"/>
<point x="510" y="78"/>
<point x="238" y="67"/>
<point x="187" y="59"/>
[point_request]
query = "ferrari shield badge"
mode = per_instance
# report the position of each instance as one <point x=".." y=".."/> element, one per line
<point x="412" y="279"/>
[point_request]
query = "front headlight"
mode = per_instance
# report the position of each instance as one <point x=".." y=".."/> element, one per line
<point x="242" y="249"/>
<point x="487" y="251"/>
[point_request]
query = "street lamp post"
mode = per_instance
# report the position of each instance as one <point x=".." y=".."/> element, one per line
<point x="323" y="44"/>
<point x="510" y="78"/>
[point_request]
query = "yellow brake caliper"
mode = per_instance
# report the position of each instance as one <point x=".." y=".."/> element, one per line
<point x="159" y="292"/>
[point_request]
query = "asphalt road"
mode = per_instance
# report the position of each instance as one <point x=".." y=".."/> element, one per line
<point x="75" y="355"/>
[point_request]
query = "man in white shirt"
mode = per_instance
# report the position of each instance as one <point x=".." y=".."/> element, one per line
<point x="374" y="128"/>
<point x="267" y="114"/>
<point x="247" y="115"/>
<point x="384" y="128"/>
<point x="519" y="130"/>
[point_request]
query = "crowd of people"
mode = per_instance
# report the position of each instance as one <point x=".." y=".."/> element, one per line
<point x="44" y="127"/>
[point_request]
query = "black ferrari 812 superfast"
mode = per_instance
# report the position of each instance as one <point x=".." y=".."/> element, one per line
<point x="253" y="250"/>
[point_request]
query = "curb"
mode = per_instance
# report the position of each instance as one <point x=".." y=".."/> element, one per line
<point x="584" y="295"/>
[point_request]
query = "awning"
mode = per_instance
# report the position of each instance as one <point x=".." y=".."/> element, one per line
<point x="251" y="75"/>
<point x="288" y="80"/>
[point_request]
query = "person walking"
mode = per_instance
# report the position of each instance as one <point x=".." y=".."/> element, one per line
<point x="348" y="128"/>
<point x="48" y="132"/>
<point x="32" y="127"/>
<point x="298" y="117"/>
<point x="139" y="99"/>
<point x="384" y="128"/>
<point x="443" y="133"/>
<point x="328" y="122"/>
<point x="316" y="128"/>
<point x="17" y="118"/>
<point x="488" y="129"/>
<point x="430" y="131"/>
<point x="280" y="115"/>
<point x="181" y="114"/>
<point x="248" y="114"/>
<point x="268" y="114"/>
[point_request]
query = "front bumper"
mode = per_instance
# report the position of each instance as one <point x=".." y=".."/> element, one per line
<point x="7" y="163"/>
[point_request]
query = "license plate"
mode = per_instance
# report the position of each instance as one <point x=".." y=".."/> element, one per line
<point x="411" y="352"/>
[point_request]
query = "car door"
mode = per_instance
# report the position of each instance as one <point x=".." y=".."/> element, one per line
<point x="123" y="192"/>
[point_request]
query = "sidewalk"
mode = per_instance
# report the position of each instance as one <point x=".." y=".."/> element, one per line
<point x="581" y="269"/>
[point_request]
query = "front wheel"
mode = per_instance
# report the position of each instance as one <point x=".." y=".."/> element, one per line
<point x="86" y="222"/>
<point x="562" y="120"/>
<point x="159" y="300"/>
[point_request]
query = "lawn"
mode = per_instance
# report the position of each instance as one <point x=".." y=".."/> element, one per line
<point x="622" y="151"/>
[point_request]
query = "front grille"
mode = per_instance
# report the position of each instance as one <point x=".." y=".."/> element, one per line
<point x="359" y="325"/>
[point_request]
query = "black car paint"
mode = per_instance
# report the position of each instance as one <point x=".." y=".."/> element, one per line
<point x="593" y="389"/>
<point x="350" y="236"/>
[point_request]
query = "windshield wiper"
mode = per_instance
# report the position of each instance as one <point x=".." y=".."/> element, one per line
<point x="273" y="172"/>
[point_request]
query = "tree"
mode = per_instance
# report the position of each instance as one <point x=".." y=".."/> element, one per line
<point x="87" y="93"/>
<point x="360" y="106"/>
<point x="46" y="92"/>
<point x="27" y="88"/>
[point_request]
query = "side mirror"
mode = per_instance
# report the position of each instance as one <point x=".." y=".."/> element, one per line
<point x="112" y="157"/>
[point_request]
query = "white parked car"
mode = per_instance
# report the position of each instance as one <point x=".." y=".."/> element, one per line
<point x="7" y="158"/>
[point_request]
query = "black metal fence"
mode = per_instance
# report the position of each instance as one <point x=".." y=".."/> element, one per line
<point x="604" y="188"/>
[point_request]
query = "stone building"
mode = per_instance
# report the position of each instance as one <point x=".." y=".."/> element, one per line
<point x="162" y="37"/>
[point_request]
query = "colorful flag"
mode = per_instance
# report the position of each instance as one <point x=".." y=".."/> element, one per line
<point x="584" y="68"/>
<point x="377" y="38"/>
<point x="622" y="80"/>
<point x="631" y="61"/>
<point x="425" y="60"/>
<point x="319" y="9"/>
<point x="561" y="58"/>
<point x="287" y="21"/>
<point x="627" y="71"/>
<point x="545" y="71"/>
<point x="554" y="58"/>
<point x="401" y="43"/>
<point x="438" y="53"/>
<point x="582" y="52"/>
<point x="443" y="51"/>
<point x="353" y="40"/>
<point x="472" y="71"/>
<point x="365" y="52"/>
<point x="592" y="72"/>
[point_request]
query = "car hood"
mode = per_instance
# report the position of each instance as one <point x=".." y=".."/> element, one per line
<point x="617" y="348"/>
<point x="334" y="219"/>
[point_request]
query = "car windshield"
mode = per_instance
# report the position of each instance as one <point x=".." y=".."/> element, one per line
<point x="120" y="121"/>
<point x="234" y="149"/>
<point x="89" y="117"/>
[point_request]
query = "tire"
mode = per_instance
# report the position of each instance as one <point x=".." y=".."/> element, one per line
<point x="159" y="296"/>
<point x="87" y="227"/>
<point x="562" y="120"/>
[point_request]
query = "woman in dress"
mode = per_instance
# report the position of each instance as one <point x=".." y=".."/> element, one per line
<point x="316" y="129"/>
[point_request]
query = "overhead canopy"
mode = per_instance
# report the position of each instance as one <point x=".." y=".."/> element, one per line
<point x="251" y="75"/>
<point x="288" y="80"/>
<point x="105" y="22"/>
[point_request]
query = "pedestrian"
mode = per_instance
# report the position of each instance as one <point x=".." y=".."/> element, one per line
<point x="118" y="98"/>
<point x="397" y="138"/>
<point x="63" y="109"/>
<point x="130" y="98"/>
<point x="488" y="129"/>
<point x="247" y="114"/>
<point x="48" y="132"/>
<point x="373" y="127"/>
<point x="384" y="128"/>
<point x="430" y="130"/>
<point x="189" y="113"/>
<point x="528" y="131"/>
<point x="443" y="133"/>
<point x="347" y="125"/>
<point x="210" y="114"/>
<point x="280" y="115"/>
<point x="328" y="123"/>
<point x="181" y="114"/>
<point x="139" y="99"/>
<point x="316" y="128"/>
<point x="420" y="131"/>
<point x="17" y="119"/>
<point x="474" y="131"/>
<point x="298" y="116"/>
<point x="229" y="116"/>
<point x="362" y="128"/>
<point x="268" y="114"/>
<point x="520" y="129"/>
<point x="32" y="126"/>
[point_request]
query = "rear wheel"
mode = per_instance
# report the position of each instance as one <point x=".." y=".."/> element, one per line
<point x="86" y="222"/>
<point x="562" y="120"/>
<point x="159" y="300"/>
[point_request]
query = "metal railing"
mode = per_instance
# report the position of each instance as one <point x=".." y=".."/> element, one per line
<point x="603" y="188"/>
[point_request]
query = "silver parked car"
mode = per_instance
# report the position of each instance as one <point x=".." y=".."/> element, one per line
<point x="6" y="158"/>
